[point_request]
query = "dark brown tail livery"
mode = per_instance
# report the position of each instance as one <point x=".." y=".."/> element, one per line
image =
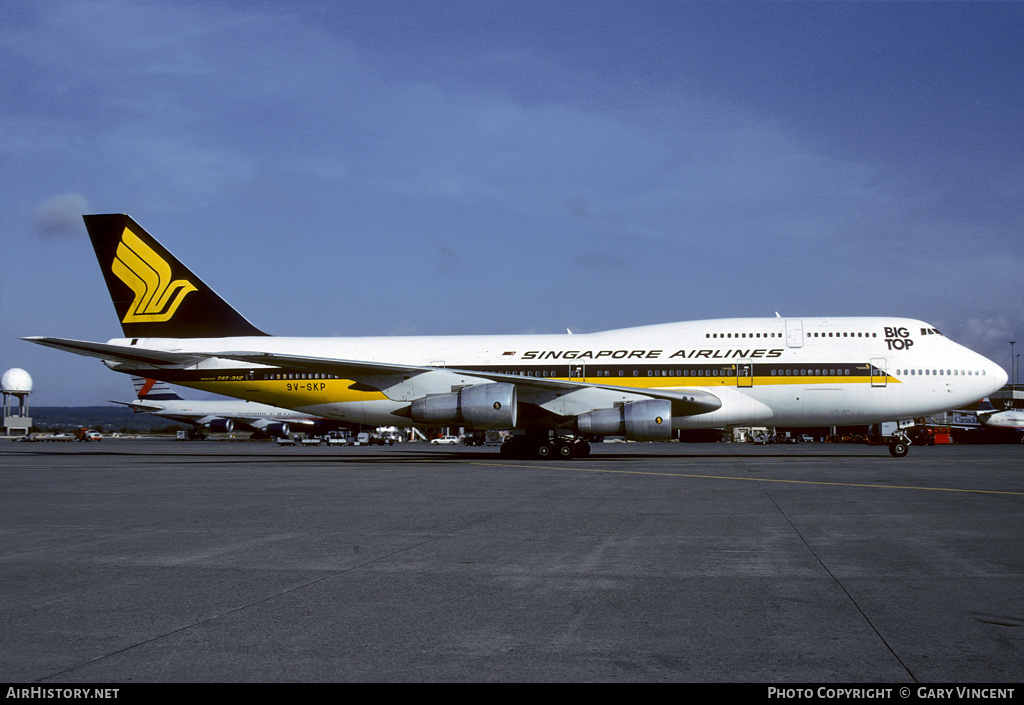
<point x="154" y="294"/>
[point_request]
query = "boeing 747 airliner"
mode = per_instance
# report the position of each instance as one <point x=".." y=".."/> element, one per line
<point x="551" y="391"/>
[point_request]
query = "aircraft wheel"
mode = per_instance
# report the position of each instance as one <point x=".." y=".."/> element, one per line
<point x="581" y="449"/>
<point x="564" y="450"/>
<point x="898" y="449"/>
<point x="543" y="450"/>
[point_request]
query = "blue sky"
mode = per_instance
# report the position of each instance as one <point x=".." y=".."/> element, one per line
<point x="413" y="167"/>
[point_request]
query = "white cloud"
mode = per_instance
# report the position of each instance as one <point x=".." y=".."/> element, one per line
<point x="61" y="216"/>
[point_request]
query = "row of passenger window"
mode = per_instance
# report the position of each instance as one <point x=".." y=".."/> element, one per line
<point x="833" y="372"/>
<point x="831" y="334"/>
<point x="298" y="375"/>
<point x="703" y="372"/>
<point x="942" y="373"/>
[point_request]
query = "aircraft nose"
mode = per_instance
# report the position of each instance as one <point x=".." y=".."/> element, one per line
<point x="1000" y="375"/>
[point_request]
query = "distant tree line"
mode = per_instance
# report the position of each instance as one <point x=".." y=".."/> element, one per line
<point x="105" y="419"/>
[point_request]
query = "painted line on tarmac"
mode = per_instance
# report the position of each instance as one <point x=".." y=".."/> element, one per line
<point x="752" y="479"/>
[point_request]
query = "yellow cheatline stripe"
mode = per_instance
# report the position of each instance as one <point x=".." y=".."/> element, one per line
<point x="575" y="467"/>
<point x="285" y="392"/>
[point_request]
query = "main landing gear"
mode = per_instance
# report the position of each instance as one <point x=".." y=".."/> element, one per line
<point x="532" y="447"/>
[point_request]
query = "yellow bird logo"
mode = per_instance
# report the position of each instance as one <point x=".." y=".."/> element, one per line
<point x="146" y="273"/>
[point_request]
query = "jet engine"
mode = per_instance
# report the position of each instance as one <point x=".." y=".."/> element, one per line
<point x="647" y="420"/>
<point x="481" y="406"/>
<point x="221" y="426"/>
<point x="276" y="430"/>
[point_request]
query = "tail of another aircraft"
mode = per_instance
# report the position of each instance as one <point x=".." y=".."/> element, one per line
<point x="152" y="390"/>
<point x="154" y="294"/>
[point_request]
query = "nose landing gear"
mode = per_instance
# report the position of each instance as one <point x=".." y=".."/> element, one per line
<point x="899" y="446"/>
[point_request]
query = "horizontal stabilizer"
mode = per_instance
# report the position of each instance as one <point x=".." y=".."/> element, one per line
<point x="130" y="355"/>
<point x="138" y="406"/>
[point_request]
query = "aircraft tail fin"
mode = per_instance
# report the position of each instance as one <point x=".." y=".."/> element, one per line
<point x="154" y="294"/>
<point x="152" y="390"/>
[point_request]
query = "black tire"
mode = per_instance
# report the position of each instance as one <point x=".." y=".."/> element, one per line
<point x="898" y="449"/>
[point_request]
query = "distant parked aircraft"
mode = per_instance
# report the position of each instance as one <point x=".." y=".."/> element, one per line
<point x="222" y="416"/>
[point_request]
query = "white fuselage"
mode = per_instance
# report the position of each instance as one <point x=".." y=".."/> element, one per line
<point x="765" y="371"/>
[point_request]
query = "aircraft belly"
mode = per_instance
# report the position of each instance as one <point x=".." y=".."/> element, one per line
<point x="823" y="404"/>
<point x="833" y="405"/>
<point x="795" y="405"/>
<point x="828" y="405"/>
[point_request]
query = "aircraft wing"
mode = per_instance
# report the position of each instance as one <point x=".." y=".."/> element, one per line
<point x="399" y="382"/>
<point x="347" y="369"/>
<point x="120" y="353"/>
<point x="293" y="421"/>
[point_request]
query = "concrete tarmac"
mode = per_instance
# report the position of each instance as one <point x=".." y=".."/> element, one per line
<point x="168" y="561"/>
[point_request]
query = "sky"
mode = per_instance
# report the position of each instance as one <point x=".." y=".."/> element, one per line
<point x="408" y="167"/>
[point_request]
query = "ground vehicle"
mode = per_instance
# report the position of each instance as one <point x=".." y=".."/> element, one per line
<point x="483" y="438"/>
<point x="922" y="435"/>
<point x="445" y="440"/>
<point x="88" y="434"/>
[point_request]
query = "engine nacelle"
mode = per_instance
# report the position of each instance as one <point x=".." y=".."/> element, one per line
<point x="276" y="430"/>
<point x="221" y="425"/>
<point x="481" y="406"/>
<point x="647" y="420"/>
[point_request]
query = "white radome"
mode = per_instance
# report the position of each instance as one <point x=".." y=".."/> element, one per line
<point x="16" y="381"/>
